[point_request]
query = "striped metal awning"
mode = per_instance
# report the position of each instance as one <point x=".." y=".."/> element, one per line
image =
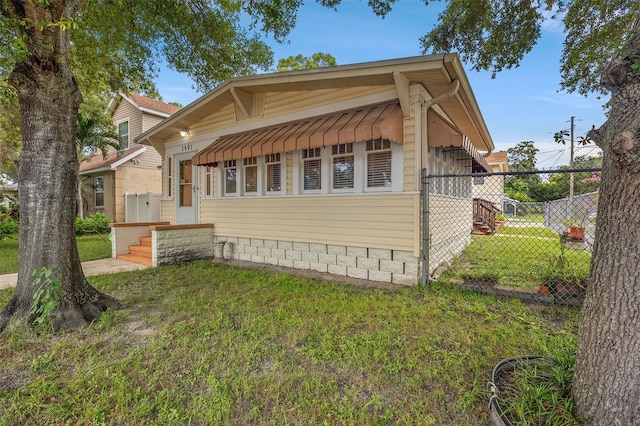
<point x="381" y="121"/>
<point x="442" y="134"/>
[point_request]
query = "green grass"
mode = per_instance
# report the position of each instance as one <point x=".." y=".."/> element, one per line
<point x="90" y="247"/>
<point x="207" y="344"/>
<point x="517" y="257"/>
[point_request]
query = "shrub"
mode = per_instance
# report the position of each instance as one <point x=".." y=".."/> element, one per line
<point x="8" y="226"/>
<point x="98" y="223"/>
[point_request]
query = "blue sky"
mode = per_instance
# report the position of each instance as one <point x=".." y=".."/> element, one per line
<point x="518" y="105"/>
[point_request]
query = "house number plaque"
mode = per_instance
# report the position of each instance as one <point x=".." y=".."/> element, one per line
<point x="187" y="147"/>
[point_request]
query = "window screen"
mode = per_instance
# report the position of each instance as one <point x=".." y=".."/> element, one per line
<point x="342" y="166"/>
<point x="312" y="169"/>
<point x="274" y="172"/>
<point x="230" y="177"/>
<point x="378" y="164"/>
<point x="251" y="174"/>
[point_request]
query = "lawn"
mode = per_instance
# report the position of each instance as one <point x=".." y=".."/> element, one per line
<point x="518" y="257"/>
<point x="90" y="247"/>
<point x="206" y="344"/>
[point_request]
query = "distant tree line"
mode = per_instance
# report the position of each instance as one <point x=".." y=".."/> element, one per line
<point x="541" y="187"/>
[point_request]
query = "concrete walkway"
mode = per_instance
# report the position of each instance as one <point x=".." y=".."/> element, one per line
<point x="90" y="268"/>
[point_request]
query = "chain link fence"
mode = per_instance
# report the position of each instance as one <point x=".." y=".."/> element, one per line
<point x="479" y="238"/>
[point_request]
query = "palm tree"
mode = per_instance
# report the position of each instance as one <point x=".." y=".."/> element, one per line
<point x="94" y="133"/>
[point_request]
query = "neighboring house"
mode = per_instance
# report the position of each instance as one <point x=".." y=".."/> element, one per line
<point x="491" y="188"/>
<point x="8" y="195"/>
<point x="319" y="169"/>
<point x="134" y="168"/>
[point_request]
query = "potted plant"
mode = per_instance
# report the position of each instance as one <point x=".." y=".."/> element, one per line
<point x="501" y="218"/>
<point x="575" y="228"/>
<point x="565" y="281"/>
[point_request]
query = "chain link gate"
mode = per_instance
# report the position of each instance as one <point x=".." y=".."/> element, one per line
<point x="476" y="237"/>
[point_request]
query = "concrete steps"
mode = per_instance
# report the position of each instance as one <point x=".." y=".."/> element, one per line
<point x="139" y="253"/>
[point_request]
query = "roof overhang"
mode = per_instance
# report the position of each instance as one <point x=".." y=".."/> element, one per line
<point x="443" y="134"/>
<point x="113" y="165"/>
<point x="434" y="72"/>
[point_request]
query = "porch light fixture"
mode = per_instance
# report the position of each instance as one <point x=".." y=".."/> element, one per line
<point x="184" y="133"/>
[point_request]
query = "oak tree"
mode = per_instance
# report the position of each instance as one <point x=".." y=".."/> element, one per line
<point x="601" y="53"/>
<point x="48" y="48"/>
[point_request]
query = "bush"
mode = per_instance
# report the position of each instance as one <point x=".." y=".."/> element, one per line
<point x="8" y="226"/>
<point x="97" y="223"/>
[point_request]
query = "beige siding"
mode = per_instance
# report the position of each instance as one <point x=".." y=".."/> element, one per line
<point x="380" y="221"/>
<point x="278" y="104"/>
<point x="148" y="121"/>
<point x="124" y="111"/>
<point x="88" y="199"/>
<point x="167" y="211"/>
<point x="442" y="225"/>
<point x="150" y="159"/>
<point x="409" y="154"/>
<point x="289" y="175"/>
<point x="492" y="190"/>
<point x="140" y="180"/>
<point x="281" y="103"/>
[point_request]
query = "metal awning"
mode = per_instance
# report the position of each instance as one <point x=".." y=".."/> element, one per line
<point x="381" y="121"/>
<point x="442" y="134"/>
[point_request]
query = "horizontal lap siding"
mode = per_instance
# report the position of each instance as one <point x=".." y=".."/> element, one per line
<point x="167" y="211"/>
<point x="280" y="103"/>
<point x="381" y="221"/>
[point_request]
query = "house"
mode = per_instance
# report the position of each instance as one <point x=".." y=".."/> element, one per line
<point x="131" y="169"/>
<point x="317" y="169"/>
<point x="9" y="195"/>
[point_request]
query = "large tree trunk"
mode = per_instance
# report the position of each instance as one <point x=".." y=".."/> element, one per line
<point x="606" y="384"/>
<point x="49" y="100"/>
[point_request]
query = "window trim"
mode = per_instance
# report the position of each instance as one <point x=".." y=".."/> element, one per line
<point x="169" y="178"/>
<point x="208" y="183"/>
<point x="128" y="134"/>
<point x="96" y="192"/>
<point x="245" y="166"/>
<point x="301" y="165"/>
<point x="225" y="166"/>
<point x="353" y="189"/>
<point x="265" y="173"/>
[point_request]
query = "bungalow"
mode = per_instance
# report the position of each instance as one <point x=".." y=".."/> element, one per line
<point x="132" y="168"/>
<point x="318" y="169"/>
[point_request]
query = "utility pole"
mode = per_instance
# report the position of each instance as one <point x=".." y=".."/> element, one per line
<point x="571" y="160"/>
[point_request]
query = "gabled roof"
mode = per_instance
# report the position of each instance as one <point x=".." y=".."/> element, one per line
<point x="144" y="104"/>
<point x="438" y="74"/>
<point x="98" y="162"/>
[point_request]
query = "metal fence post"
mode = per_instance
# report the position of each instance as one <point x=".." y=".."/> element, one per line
<point x="425" y="227"/>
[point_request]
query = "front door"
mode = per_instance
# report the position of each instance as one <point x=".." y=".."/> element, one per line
<point x="187" y="190"/>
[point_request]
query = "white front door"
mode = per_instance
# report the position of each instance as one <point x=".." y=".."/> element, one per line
<point x="187" y="189"/>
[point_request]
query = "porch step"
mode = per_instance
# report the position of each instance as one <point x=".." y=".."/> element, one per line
<point x="139" y="253"/>
<point x="140" y="250"/>
<point x="143" y="260"/>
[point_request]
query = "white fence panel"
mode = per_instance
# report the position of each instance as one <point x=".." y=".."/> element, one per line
<point x="142" y="207"/>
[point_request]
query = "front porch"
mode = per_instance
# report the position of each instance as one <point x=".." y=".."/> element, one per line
<point x="160" y="243"/>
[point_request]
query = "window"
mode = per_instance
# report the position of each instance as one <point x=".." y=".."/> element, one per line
<point x="274" y="173"/>
<point x="311" y="169"/>
<point x="342" y="166"/>
<point x="208" y="181"/>
<point x="98" y="188"/>
<point x="251" y="175"/>
<point x="379" y="164"/>
<point x="230" y="177"/>
<point x="169" y="177"/>
<point x="123" y="135"/>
